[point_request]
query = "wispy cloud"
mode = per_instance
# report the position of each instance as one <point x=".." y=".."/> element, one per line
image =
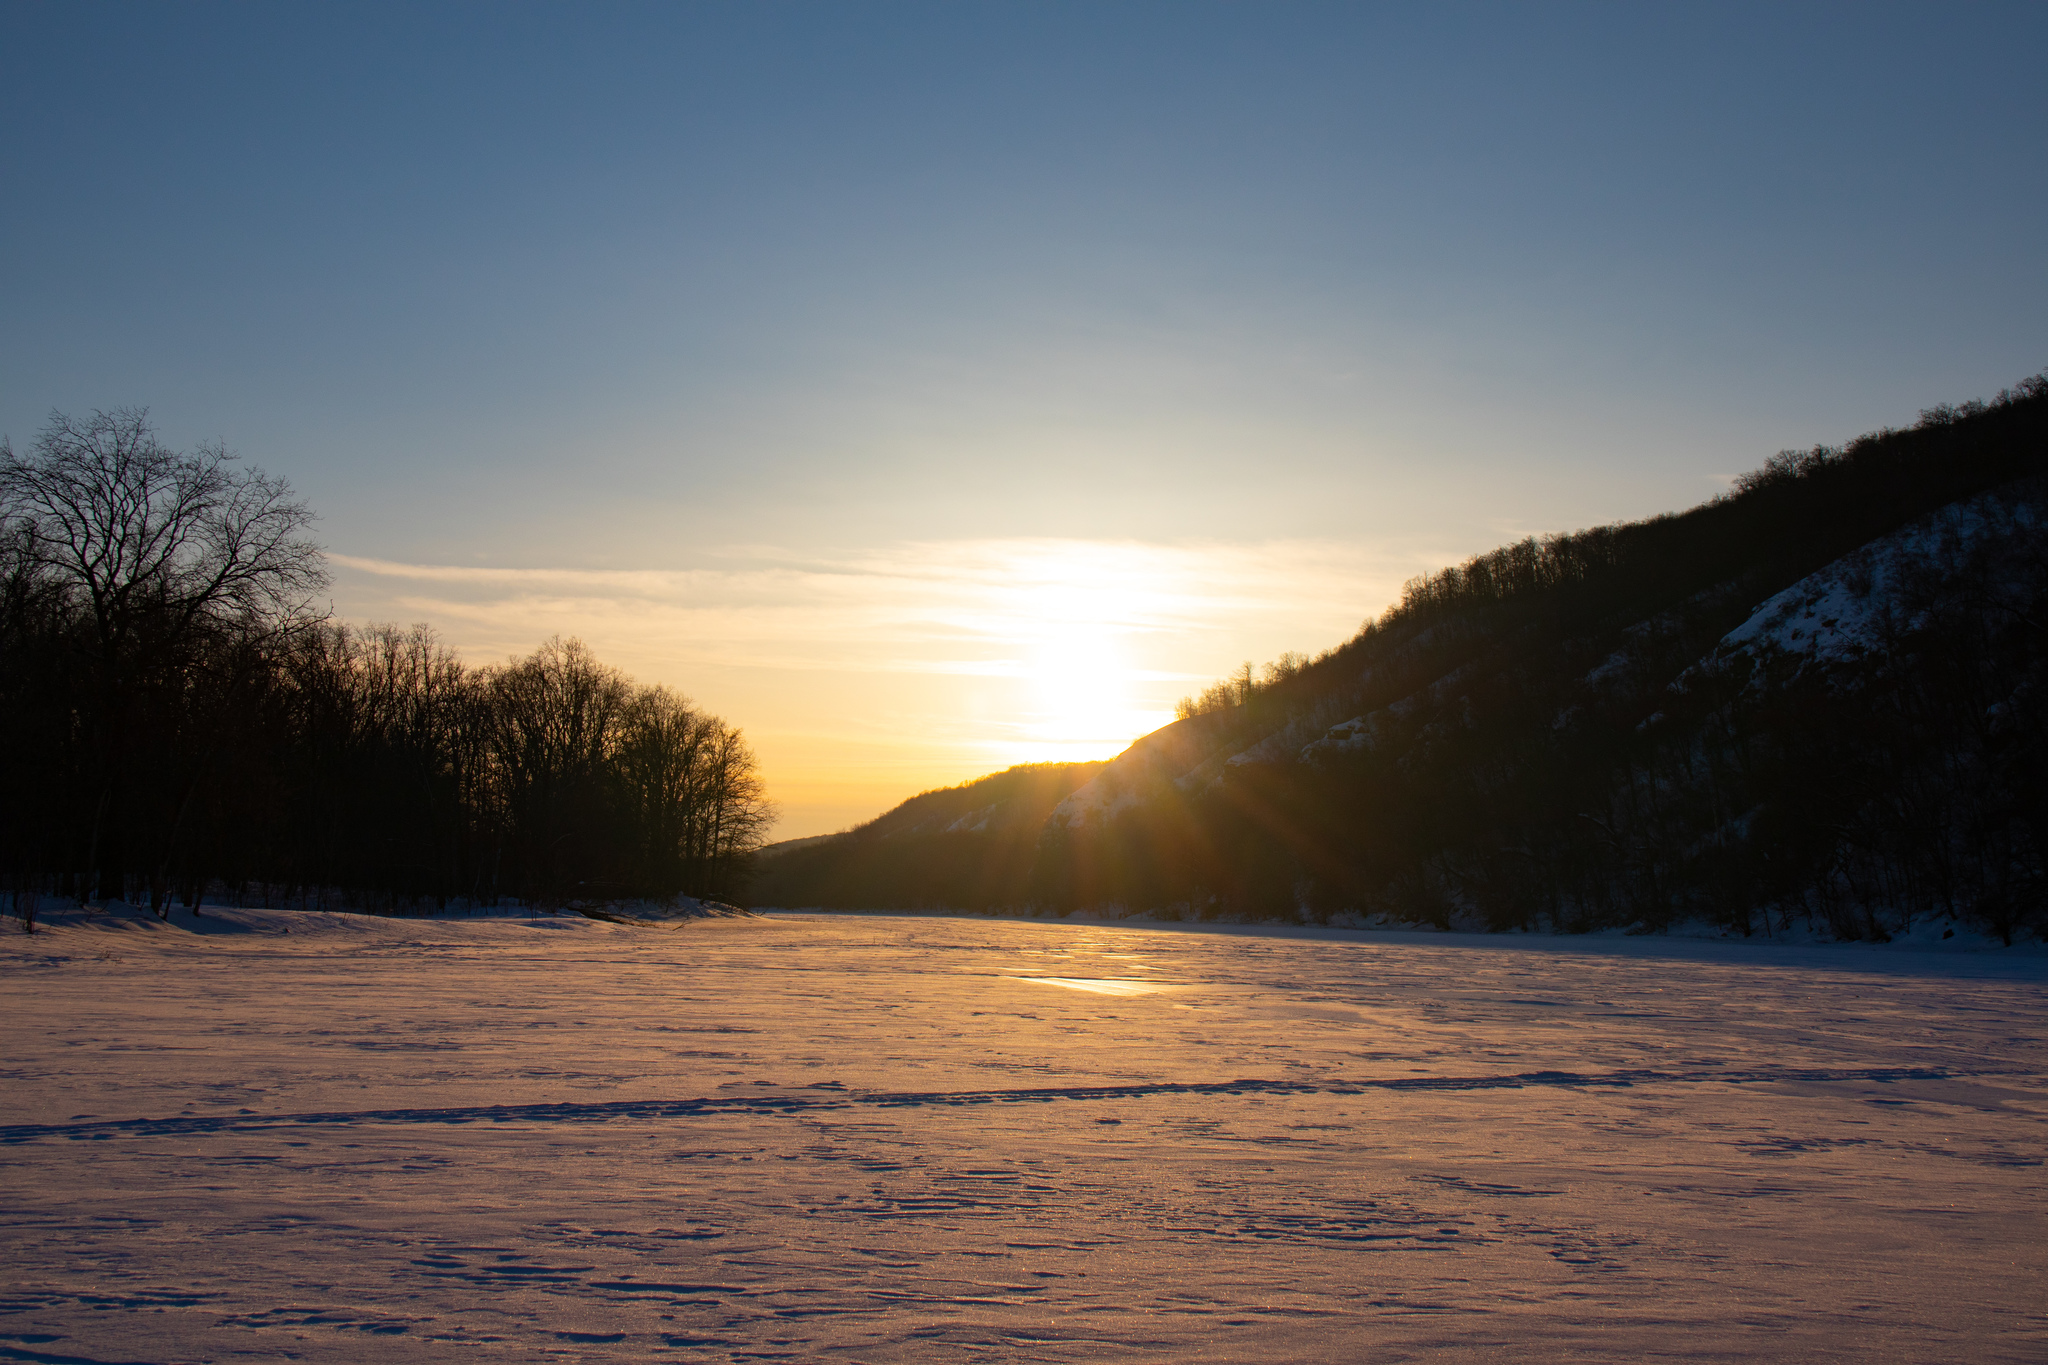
<point x="903" y="607"/>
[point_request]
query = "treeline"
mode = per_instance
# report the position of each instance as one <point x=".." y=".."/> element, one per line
<point x="1547" y="735"/>
<point x="179" y="722"/>
<point x="1237" y="689"/>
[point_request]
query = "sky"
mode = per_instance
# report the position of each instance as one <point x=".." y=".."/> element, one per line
<point x="929" y="388"/>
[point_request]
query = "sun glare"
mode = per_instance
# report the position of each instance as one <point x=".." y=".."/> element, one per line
<point x="1081" y="691"/>
<point x="1076" y="617"/>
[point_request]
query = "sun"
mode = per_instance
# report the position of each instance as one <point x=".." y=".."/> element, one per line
<point x="1067" y="626"/>
<point x="1081" y="700"/>
<point x="1080" y="690"/>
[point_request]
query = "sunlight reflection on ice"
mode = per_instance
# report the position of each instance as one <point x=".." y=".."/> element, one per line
<point x="1099" y="985"/>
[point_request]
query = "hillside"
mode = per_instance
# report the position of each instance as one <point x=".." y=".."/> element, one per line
<point x="1817" y="697"/>
<point x="970" y="845"/>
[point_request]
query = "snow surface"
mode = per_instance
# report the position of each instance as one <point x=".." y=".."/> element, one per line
<point x="332" y="1137"/>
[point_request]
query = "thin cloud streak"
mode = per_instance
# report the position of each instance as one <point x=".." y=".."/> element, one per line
<point x="987" y="596"/>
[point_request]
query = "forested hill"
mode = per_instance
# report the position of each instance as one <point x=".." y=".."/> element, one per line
<point x="1819" y="697"/>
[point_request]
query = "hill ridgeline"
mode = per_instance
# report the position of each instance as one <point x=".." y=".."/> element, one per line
<point x="1817" y="699"/>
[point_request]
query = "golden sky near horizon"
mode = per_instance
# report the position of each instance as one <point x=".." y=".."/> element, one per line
<point x="866" y="678"/>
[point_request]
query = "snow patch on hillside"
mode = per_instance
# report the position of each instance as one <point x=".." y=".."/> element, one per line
<point x="1851" y="608"/>
<point x="1168" y="754"/>
<point x="1355" y="733"/>
<point x="1363" y="732"/>
<point x="974" y="822"/>
<point x="1099" y="800"/>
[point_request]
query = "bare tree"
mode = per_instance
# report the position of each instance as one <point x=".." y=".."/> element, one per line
<point x="158" y="552"/>
<point x="159" y="543"/>
<point x="738" y="811"/>
<point x="556" y="720"/>
<point x="660" y="762"/>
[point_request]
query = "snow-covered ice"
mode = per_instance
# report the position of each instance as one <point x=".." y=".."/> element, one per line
<point x="922" y="1139"/>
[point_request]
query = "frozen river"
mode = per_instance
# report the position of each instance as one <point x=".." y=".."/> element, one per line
<point x="909" y="1139"/>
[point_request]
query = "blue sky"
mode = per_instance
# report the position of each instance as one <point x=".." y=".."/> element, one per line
<point x="817" y="313"/>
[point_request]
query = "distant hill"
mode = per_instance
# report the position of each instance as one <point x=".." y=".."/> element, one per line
<point x="1820" y="696"/>
<point x="970" y="845"/>
<point x="780" y="847"/>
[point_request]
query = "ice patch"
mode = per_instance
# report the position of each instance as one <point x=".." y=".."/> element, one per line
<point x="1098" y="985"/>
